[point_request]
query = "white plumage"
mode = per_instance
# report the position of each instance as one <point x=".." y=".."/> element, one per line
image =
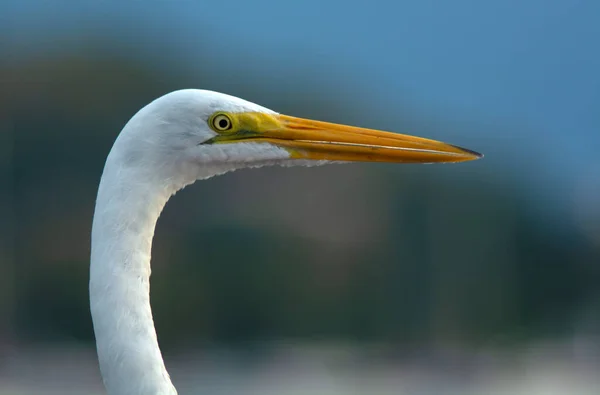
<point x="167" y="145"/>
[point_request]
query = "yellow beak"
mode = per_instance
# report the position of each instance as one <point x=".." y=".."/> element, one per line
<point x="316" y="140"/>
<point x="308" y="139"/>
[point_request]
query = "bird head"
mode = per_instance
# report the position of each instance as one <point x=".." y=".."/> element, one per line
<point x="214" y="133"/>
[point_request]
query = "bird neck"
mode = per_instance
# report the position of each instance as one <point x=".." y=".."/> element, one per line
<point x="128" y="205"/>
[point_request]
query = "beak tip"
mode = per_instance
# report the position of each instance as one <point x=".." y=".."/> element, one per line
<point x="476" y="154"/>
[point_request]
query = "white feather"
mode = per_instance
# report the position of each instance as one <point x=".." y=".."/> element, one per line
<point x="157" y="153"/>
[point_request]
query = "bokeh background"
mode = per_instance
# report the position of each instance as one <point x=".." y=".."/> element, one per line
<point x="475" y="278"/>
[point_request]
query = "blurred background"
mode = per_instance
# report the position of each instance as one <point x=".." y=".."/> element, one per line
<point x="475" y="278"/>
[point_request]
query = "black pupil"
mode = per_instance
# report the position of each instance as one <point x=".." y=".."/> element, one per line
<point x="223" y="123"/>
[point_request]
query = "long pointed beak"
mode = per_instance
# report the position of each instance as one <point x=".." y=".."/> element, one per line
<point x="316" y="140"/>
<point x="308" y="139"/>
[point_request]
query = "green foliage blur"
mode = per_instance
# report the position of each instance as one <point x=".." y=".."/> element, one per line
<point x="402" y="255"/>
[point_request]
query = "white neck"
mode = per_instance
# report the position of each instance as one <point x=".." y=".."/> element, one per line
<point x="158" y="152"/>
<point x="129" y="203"/>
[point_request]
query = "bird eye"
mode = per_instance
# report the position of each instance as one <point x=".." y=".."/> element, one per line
<point x="221" y="122"/>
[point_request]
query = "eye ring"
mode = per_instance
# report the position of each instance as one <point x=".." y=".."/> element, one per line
<point x="221" y="122"/>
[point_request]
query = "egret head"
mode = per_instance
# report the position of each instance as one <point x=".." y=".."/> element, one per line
<point x="209" y="133"/>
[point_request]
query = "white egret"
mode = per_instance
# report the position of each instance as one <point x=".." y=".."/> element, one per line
<point x="177" y="139"/>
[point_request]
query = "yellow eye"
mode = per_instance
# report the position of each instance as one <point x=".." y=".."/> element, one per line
<point x="221" y="122"/>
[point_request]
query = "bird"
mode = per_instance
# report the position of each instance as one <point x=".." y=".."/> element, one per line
<point x="175" y="140"/>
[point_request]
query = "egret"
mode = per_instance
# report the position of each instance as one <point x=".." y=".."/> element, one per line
<point x="179" y="138"/>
